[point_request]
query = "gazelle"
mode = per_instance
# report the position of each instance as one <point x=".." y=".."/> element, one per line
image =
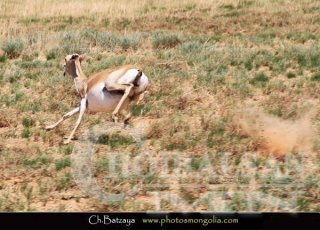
<point x="110" y="90"/>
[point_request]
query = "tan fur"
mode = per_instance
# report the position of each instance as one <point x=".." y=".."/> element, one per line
<point x="81" y="87"/>
<point x="102" y="76"/>
<point x="86" y="89"/>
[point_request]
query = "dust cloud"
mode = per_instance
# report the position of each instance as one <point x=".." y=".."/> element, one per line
<point x="275" y="135"/>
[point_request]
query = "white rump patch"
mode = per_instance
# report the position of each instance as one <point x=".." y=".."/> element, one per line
<point x="128" y="77"/>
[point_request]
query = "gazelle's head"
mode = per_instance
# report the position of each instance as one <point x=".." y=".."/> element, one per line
<point x="72" y="65"/>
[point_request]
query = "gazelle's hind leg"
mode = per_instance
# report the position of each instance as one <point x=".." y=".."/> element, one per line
<point x="66" y="116"/>
<point x="124" y="83"/>
<point x="139" y="98"/>
<point x="124" y="97"/>
<point x="116" y="87"/>
<point x="82" y="110"/>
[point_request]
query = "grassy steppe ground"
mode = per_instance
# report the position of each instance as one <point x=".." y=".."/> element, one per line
<point x="227" y="78"/>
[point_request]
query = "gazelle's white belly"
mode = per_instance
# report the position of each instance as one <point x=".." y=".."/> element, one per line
<point x="100" y="100"/>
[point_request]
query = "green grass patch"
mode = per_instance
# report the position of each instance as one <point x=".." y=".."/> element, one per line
<point x="291" y="75"/>
<point x="174" y="143"/>
<point x="36" y="162"/>
<point x="131" y="41"/>
<point x="33" y="107"/>
<point x="103" y="164"/>
<point x="51" y="54"/>
<point x="301" y="37"/>
<point x="105" y="22"/>
<point x="16" y="75"/>
<point x="248" y="64"/>
<point x="163" y="40"/>
<point x="13" y="47"/>
<point x="28" y="122"/>
<point x="67" y="150"/>
<point x="63" y="163"/>
<point x="302" y="59"/>
<point x="315" y="77"/>
<point x="64" y="182"/>
<point x="123" y="23"/>
<point x="115" y="140"/>
<point x="227" y="7"/>
<point x="3" y="59"/>
<point x="234" y="13"/>
<point x="195" y="163"/>
<point x="245" y="4"/>
<point x="216" y="132"/>
<point x="106" y="63"/>
<point x="26" y="133"/>
<point x="108" y="41"/>
<point x="140" y="110"/>
<point x="259" y="79"/>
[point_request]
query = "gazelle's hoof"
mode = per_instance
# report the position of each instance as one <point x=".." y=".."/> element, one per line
<point x="66" y="142"/>
<point x="115" y="118"/>
<point x="49" y="127"/>
<point x="126" y="123"/>
<point x="70" y="138"/>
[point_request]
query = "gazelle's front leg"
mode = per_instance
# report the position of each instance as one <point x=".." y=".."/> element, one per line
<point x="124" y="97"/>
<point x="66" y="116"/>
<point x="83" y="105"/>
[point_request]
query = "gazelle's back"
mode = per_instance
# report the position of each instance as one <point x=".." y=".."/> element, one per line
<point x="105" y="74"/>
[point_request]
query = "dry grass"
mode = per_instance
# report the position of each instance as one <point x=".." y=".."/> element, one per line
<point x="207" y="60"/>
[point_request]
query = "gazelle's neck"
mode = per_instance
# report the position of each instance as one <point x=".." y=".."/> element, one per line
<point x="80" y="80"/>
<point x="79" y="73"/>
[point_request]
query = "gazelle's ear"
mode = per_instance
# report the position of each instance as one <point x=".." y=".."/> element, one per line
<point x="81" y="58"/>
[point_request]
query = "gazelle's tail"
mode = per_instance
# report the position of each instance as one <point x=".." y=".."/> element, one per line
<point x="135" y="82"/>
